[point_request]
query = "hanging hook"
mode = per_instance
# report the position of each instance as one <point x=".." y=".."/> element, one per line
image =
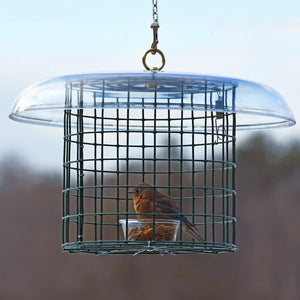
<point x="155" y="27"/>
<point x="154" y="48"/>
<point x="220" y="135"/>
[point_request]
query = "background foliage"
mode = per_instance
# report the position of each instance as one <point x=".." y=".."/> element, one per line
<point x="266" y="266"/>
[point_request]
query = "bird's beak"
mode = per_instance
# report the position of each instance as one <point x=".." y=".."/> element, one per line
<point x="130" y="191"/>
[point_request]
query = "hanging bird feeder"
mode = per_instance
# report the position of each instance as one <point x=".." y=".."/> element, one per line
<point x="166" y="140"/>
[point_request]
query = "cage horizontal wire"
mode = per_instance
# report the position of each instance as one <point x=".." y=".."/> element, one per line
<point x="155" y="133"/>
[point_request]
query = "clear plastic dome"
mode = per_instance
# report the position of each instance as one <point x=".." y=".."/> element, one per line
<point x="257" y="106"/>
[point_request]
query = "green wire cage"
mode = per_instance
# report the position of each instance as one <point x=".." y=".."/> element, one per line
<point x="174" y="132"/>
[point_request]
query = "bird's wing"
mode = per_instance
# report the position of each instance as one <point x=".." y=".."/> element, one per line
<point x="167" y="205"/>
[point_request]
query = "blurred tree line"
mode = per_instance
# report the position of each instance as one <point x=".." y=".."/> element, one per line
<point x="267" y="265"/>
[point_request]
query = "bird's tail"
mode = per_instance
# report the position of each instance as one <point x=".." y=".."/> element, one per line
<point x="192" y="231"/>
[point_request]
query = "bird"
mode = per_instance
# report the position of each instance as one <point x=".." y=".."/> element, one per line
<point x="143" y="195"/>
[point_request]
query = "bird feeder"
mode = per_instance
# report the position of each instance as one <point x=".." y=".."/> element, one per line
<point x="175" y="132"/>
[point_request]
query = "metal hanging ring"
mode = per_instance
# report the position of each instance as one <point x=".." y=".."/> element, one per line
<point x="153" y="52"/>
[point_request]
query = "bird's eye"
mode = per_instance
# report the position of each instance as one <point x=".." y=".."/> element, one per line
<point x="139" y="191"/>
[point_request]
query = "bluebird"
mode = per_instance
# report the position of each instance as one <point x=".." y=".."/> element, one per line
<point x="143" y="195"/>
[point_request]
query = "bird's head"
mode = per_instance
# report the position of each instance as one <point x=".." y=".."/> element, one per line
<point x="141" y="189"/>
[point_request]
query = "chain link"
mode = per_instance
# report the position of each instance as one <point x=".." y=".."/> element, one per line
<point x="155" y="11"/>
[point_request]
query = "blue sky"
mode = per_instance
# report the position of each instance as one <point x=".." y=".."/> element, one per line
<point x="253" y="40"/>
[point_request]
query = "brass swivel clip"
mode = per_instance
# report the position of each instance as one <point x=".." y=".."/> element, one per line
<point x="154" y="50"/>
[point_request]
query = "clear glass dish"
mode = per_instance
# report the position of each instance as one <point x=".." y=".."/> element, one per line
<point x="165" y="230"/>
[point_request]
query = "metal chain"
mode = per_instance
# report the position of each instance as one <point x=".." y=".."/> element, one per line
<point x="155" y="11"/>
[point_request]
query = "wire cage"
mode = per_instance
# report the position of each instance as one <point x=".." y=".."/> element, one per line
<point x="183" y="153"/>
<point x="174" y="133"/>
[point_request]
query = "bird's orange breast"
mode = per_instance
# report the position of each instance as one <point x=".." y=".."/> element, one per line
<point x="144" y="205"/>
